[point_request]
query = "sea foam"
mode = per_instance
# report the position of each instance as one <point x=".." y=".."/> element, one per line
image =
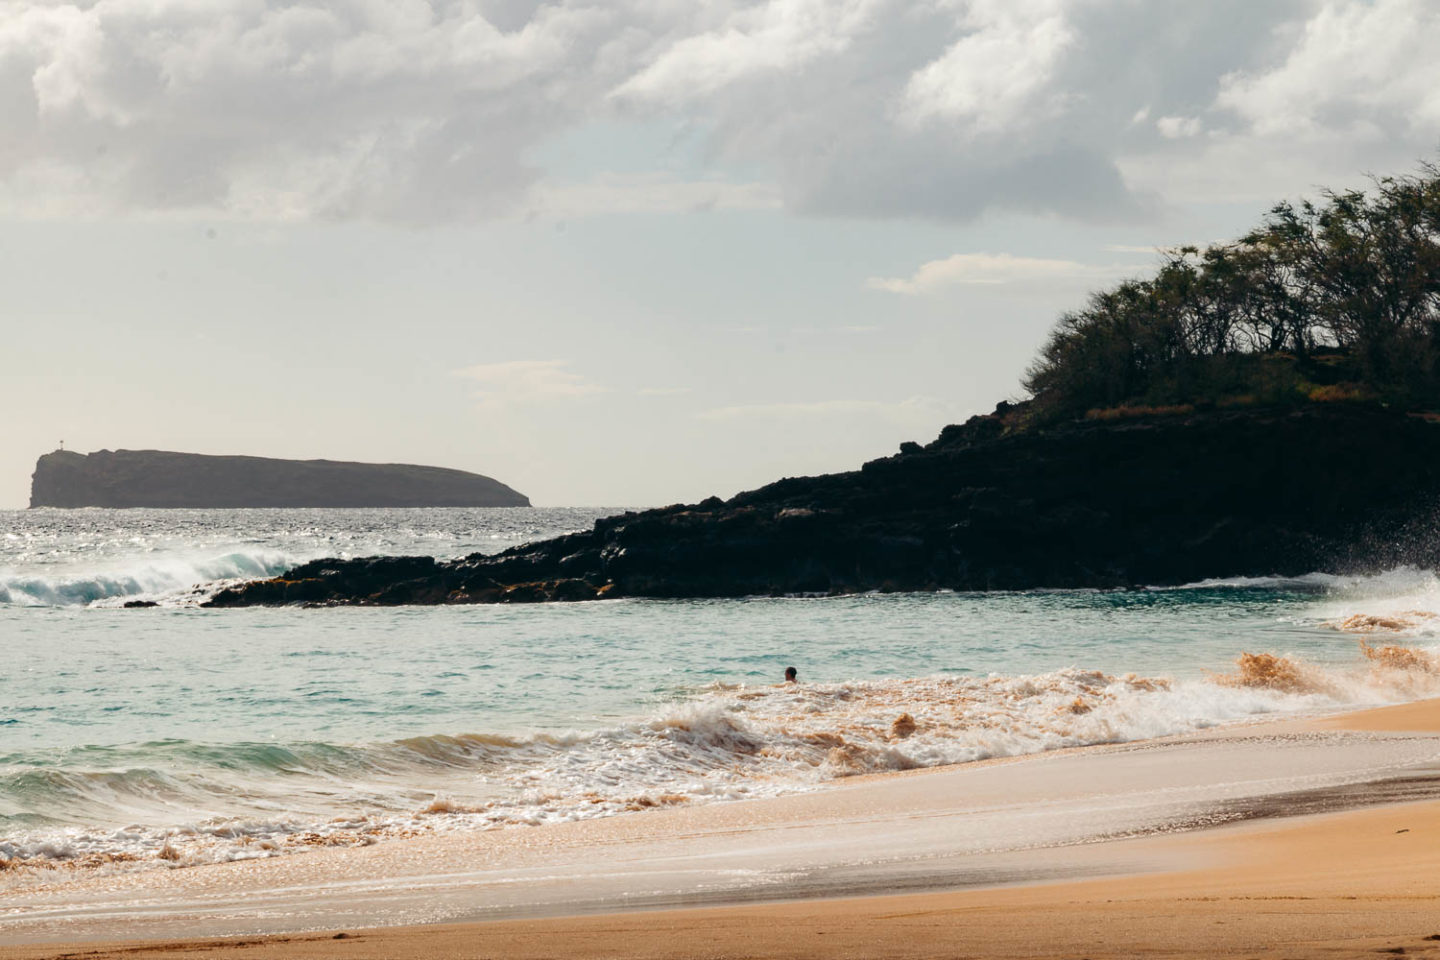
<point x="175" y="804"/>
<point x="171" y="577"/>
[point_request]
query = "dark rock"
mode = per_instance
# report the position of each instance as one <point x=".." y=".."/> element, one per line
<point x="386" y="581"/>
<point x="572" y="590"/>
<point x="140" y="604"/>
<point x="156" y="478"/>
<point x="524" y="593"/>
<point x="1157" y="500"/>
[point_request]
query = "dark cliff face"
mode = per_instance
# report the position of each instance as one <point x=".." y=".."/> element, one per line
<point x="1158" y="501"/>
<point x="156" y="478"/>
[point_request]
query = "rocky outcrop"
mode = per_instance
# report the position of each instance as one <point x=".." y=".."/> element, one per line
<point x="1150" y="500"/>
<point x="157" y="478"/>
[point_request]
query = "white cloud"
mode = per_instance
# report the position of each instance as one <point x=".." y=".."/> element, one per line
<point x="1348" y="86"/>
<point x="416" y="112"/>
<point x="528" y="381"/>
<point x="1176" y="128"/>
<point x="264" y="109"/>
<point x="1355" y="65"/>
<point x="984" y="268"/>
<point x="775" y="37"/>
<point x="649" y="193"/>
<point x="998" y="74"/>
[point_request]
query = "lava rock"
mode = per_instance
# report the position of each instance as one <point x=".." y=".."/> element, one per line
<point x="1164" y="499"/>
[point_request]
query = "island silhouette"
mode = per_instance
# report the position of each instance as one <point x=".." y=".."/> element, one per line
<point x="163" y="479"/>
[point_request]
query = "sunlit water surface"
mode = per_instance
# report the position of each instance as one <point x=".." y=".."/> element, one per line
<point x="132" y="739"/>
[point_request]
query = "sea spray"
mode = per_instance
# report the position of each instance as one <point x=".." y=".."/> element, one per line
<point x="172" y="577"/>
<point x="1405" y="620"/>
<point x="1403" y="659"/>
<point x="1267" y="671"/>
<point x="52" y="557"/>
<point x="726" y="742"/>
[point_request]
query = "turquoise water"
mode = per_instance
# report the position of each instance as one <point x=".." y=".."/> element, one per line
<point x="80" y="676"/>
<point x="228" y="732"/>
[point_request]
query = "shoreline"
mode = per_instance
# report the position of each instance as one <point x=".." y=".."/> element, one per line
<point x="779" y="854"/>
<point x="1255" y="898"/>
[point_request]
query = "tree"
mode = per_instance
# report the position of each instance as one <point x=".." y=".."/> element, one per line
<point x="1357" y="273"/>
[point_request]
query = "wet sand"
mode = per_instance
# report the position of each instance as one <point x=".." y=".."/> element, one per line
<point x="1422" y="716"/>
<point x="1358" y="882"/>
<point x="1353" y="884"/>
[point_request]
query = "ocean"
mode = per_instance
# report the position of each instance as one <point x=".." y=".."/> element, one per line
<point x="156" y="738"/>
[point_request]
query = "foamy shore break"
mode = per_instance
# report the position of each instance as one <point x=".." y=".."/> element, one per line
<point x="179" y="805"/>
<point x="1188" y="830"/>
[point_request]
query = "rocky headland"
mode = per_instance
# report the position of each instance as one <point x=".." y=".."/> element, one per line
<point x="159" y="478"/>
<point x="1157" y="499"/>
<point x="1254" y="407"/>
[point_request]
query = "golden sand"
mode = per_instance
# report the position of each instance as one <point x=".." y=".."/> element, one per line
<point x="1348" y="885"/>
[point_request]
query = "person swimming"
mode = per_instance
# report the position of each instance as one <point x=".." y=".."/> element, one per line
<point x="791" y="676"/>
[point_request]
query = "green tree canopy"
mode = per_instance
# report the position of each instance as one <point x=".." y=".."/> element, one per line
<point x="1343" y="292"/>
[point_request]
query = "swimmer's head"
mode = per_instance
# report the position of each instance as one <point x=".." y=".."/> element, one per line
<point x="791" y="676"/>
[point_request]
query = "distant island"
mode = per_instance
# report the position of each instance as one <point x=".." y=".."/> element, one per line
<point x="162" y="479"/>
<point x="1267" y="406"/>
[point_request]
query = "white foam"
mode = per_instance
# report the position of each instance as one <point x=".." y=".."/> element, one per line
<point x="1308" y="581"/>
<point x="727" y="742"/>
<point x="1404" y="590"/>
<point x="155" y="576"/>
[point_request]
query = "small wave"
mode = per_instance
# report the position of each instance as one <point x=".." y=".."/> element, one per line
<point x="1405" y="599"/>
<point x="1396" y="583"/>
<point x="1268" y="671"/>
<point x="1400" y="622"/>
<point x="1401" y="659"/>
<point x="1310" y="582"/>
<point x="1389" y="673"/>
<point x="728" y="742"/>
<point x="265" y="799"/>
<point x="155" y="576"/>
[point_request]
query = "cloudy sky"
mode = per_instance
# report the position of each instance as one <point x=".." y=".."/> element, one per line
<point x="627" y="252"/>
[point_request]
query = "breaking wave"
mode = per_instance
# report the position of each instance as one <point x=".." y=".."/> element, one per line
<point x="61" y="557"/>
<point x="249" y="800"/>
<point x="160" y="577"/>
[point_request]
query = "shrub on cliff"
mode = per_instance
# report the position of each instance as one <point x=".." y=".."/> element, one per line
<point x="1342" y="294"/>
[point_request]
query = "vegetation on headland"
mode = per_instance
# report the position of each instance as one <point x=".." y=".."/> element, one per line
<point x="1329" y="301"/>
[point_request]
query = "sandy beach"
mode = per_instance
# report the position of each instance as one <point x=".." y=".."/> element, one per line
<point x="1353" y="884"/>
<point x="1327" y="844"/>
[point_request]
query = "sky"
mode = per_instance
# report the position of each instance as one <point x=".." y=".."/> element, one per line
<point x="634" y="252"/>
